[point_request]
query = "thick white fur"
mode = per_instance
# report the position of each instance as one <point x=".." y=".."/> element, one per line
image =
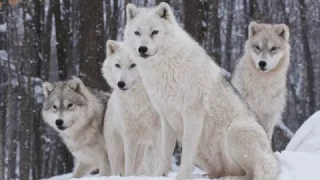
<point x="264" y="91"/>
<point x="84" y="135"/>
<point x="132" y="123"/>
<point x="196" y="104"/>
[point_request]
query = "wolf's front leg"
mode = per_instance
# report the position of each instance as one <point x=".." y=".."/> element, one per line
<point x="115" y="151"/>
<point x="81" y="170"/>
<point x="156" y="141"/>
<point x="140" y="163"/>
<point x="192" y="131"/>
<point x="130" y="150"/>
<point x="104" y="166"/>
<point x="169" y="138"/>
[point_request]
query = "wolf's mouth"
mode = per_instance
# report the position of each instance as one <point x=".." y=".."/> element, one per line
<point x="263" y="69"/>
<point x="144" y="55"/>
<point x="147" y="55"/>
<point x="124" y="89"/>
<point x="62" y="128"/>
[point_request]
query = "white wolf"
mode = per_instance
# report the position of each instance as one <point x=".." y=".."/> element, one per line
<point x="76" y="113"/>
<point x="130" y="115"/>
<point x="196" y="104"/>
<point x="261" y="74"/>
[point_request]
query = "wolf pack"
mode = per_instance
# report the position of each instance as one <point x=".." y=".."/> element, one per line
<point x="166" y="88"/>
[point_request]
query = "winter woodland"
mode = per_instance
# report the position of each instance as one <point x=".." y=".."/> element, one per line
<point x="50" y="40"/>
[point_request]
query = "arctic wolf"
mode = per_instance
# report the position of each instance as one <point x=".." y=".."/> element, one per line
<point x="196" y="104"/>
<point x="130" y="116"/>
<point x="77" y="113"/>
<point x="260" y="75"/>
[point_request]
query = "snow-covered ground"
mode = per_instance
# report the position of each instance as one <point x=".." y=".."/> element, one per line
<point x="300" y="160"/>
<point x="307" y="138"/>
<point x="299" y="165"/>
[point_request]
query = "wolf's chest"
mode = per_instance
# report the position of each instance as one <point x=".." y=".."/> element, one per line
<point x="267" y="101"/>
<point x="165" y="94"/>
<point x="163" y="86"/>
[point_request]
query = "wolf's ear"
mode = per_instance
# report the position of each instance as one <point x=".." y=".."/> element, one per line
<point x="132" y="11"/>
<point x="283" y="31"/>
<point x="76" y="85"/>
<point x="47" y="87"/>
<point x="254" y="28"/>
<point x="112" y="46"/>
<point x="164" y="11"/>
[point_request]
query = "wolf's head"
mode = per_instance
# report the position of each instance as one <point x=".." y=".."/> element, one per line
<point x="65" y="106"/>
<point x="267" y="45"/>
<point x="119" y="69"/>
<point x="148" y="29"/>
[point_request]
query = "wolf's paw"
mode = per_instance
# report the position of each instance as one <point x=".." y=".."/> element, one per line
<point x="163" y="170"/>
<point x="183" y="176"/>
<point x="205" y="175"/>
<point x="234" y="178"/>
<point x="160" y="173"/>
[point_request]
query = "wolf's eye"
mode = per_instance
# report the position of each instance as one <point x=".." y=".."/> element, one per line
<point x="155" y="32"/>
<point x="273" y="48"/>
<point x="70" y="105"/>
<point x="117" y="65"/>
<point x="137" y="33"/>
<point x="133" y="65"/>
<point x="257" y="48"/>
<point x="54" y="107"/>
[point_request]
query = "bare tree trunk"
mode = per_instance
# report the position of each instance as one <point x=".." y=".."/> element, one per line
<point x="92" y="44"/>
<point x="25" y="124"/>
<point x="265" y="14"/>
<point x="11" y="121"/>
<point x="193" y="19"/>
<point x="10" y="134"/>
<point x="46" y="46"/>
<point x="254" y="11"/>
<point x="159" y="1"/>
<point x="3" y="112"/>
<point x="40" y="153"/>
<point x="229" y="48"/>
<point x="62" y="40"/>
<point x="114" y="23"/>
<point x="75" y="33"/>
<point x="68" y="42"/>
<point x="308" y="57"/>
<point x="130" y="1"/>
<point x="245" y="10"/>
<point x="3" y="93"/>
<point x="109" y="18"/>
<point x="215" y="31"/>
<point x="35" y="35"/>
<point x="25" y="130"/>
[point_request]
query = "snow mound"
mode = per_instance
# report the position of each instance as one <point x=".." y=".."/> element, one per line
<point x="298" y="166"/>
<point x="60" y="177"/>
<point x="294" y="166"/>
<point x="307" y="138"/>
<point x="196" y="176"/>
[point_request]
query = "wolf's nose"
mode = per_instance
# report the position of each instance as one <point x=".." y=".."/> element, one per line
<point x="59" y="122"/>
<point x="121" y="84"/>
<point x="262" y="64"/>
<point x="142" y="49"/>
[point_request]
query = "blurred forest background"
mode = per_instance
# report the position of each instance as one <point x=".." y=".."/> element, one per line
<point x="50" y="40"/>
